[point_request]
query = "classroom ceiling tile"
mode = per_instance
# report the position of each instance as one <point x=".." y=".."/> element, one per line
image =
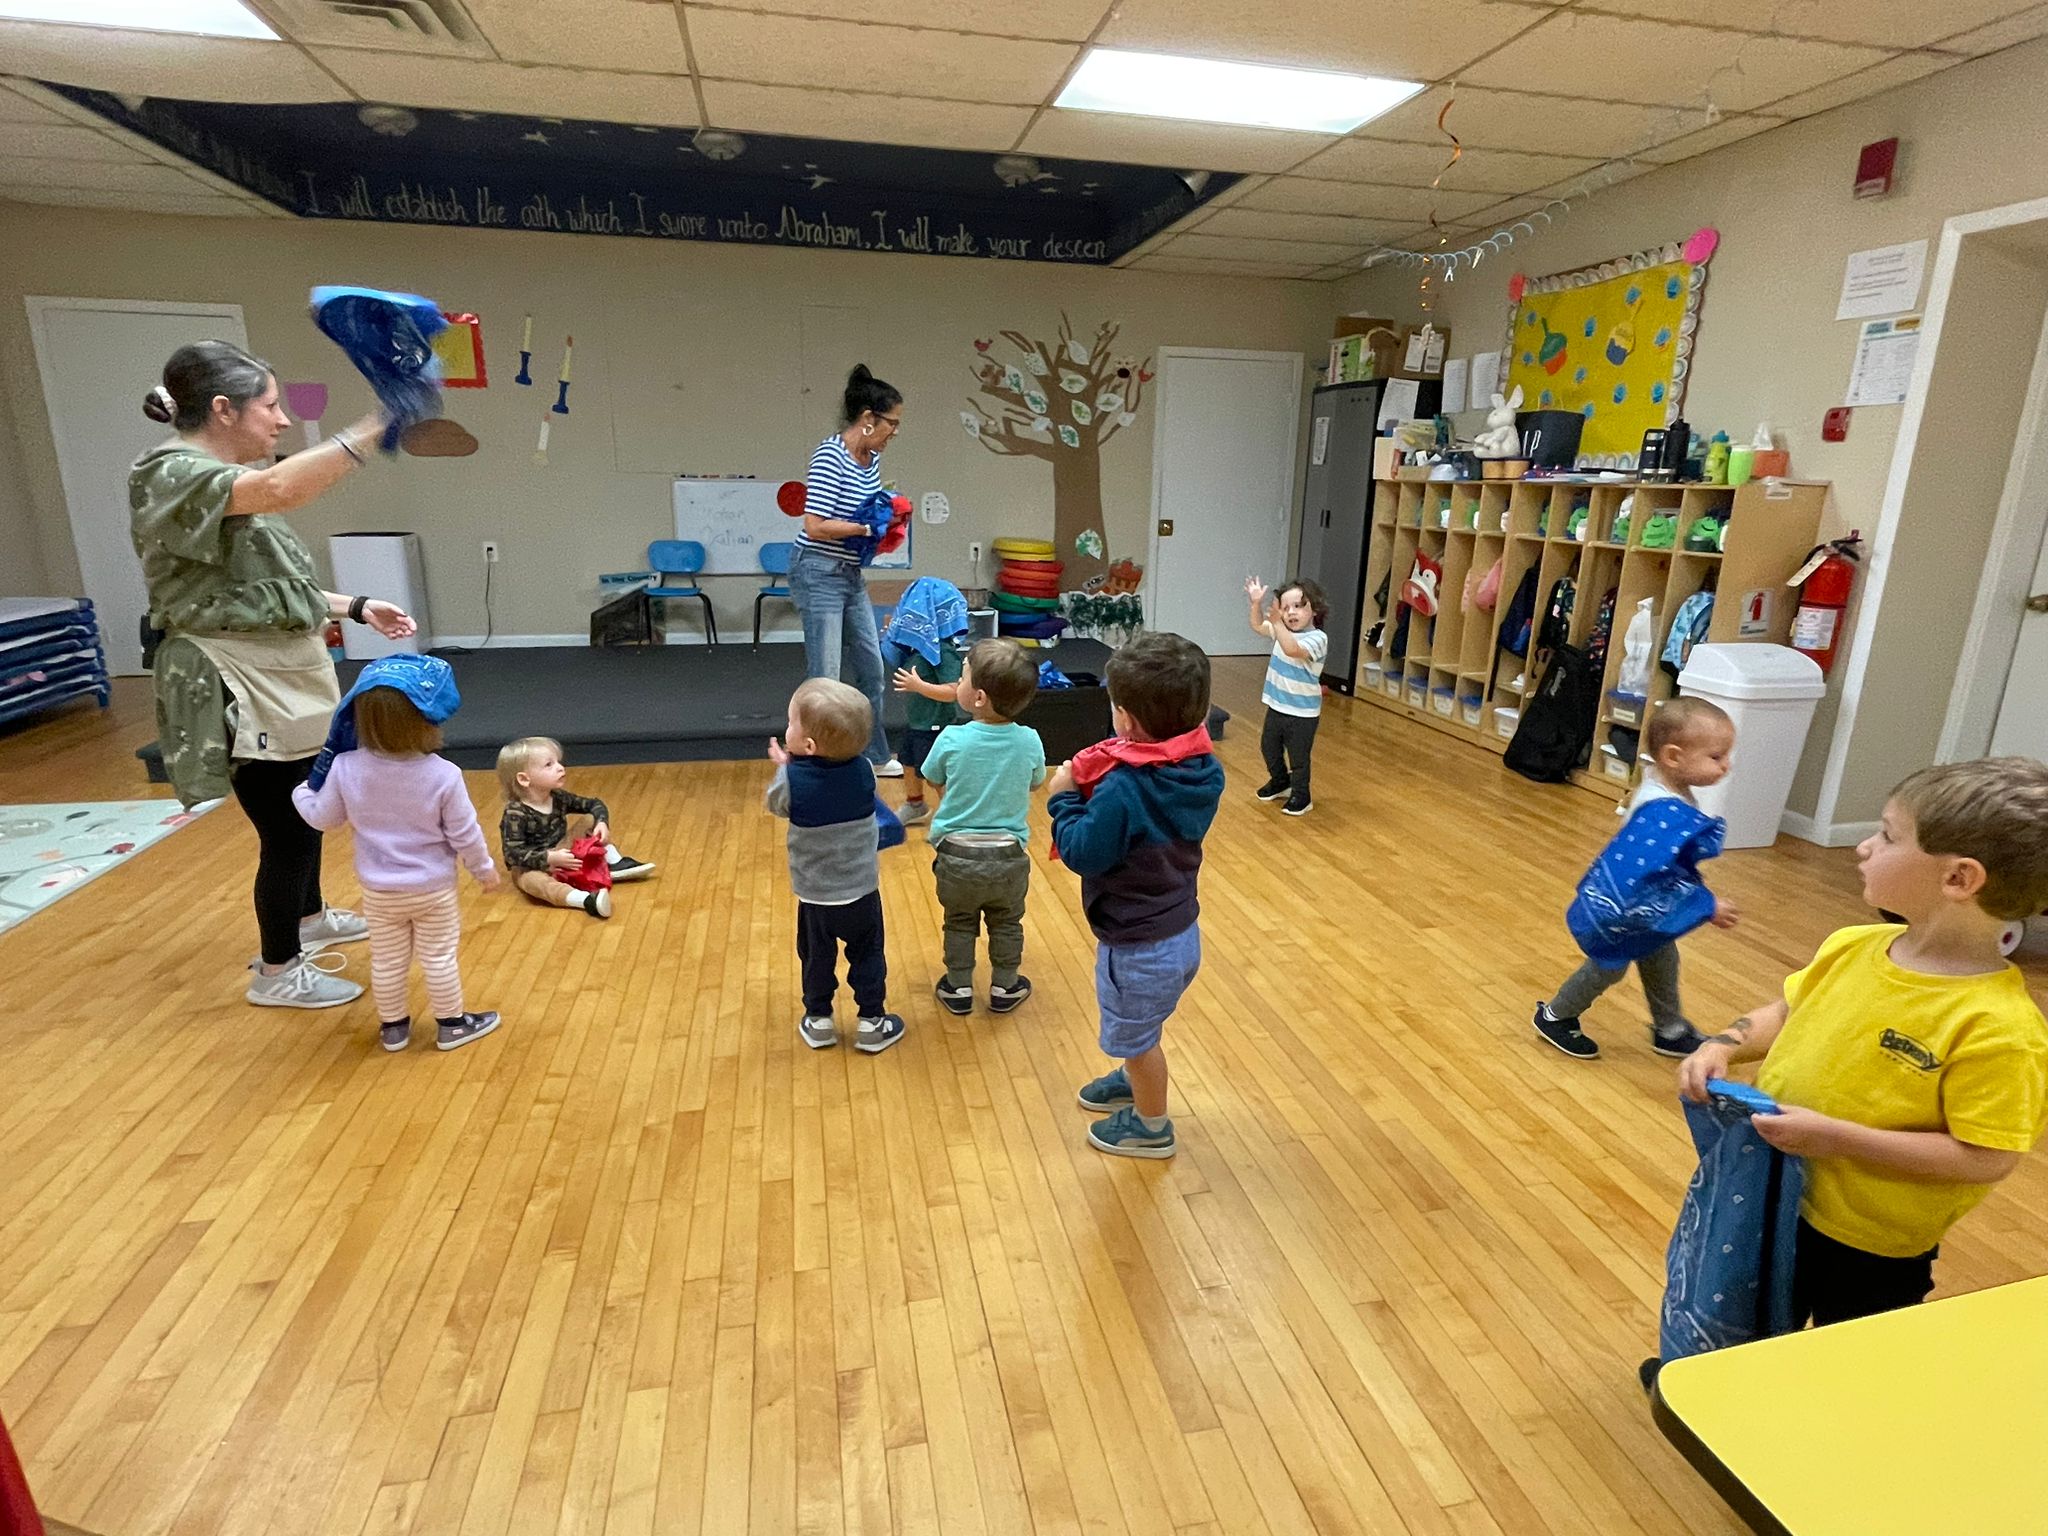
<point x="1186" y="267"/>
<point x="1544" y="125"/>
<point x="1069" y="20"/>
<point x="1416" y="165"/>
<point x="863" y="117"/>
<point x="160" y="64"/>
<point x="1729" y="130"/>
<point x="95" y="175"/>
<point x="584" y="34"/>
<point x="1261" y="224"/>
<point x="2021" y="27"/>
<point x="1236" y="248"/>
<point x="1165" y="141"/>
<point x="1899" y="69"/>
<point x="1656" y="62"/>
<point x="1299" y="194"/>
<point x="787" y="50"/>
<point x="197" y="201"/>
<point x="433" y="27"/>
<point x="478" y="85"/>
<point x="1397" y="39"/>
<point x="1880" y="23"/>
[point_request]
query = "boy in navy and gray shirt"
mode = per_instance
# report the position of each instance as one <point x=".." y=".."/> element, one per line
<point x="1128" y="817"/>
<point x="826" y="789"/>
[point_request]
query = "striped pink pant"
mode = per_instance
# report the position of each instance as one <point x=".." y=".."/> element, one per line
<point x="407" y="926"/>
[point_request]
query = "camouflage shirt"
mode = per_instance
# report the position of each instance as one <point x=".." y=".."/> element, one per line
<point x="209" y="573"/>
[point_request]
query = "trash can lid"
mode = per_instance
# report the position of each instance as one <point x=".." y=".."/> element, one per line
<point x="1751" y="671"/>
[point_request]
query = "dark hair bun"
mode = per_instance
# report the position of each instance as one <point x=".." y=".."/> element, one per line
<point x="158" y="405"/>
<point x="865" y="392"/>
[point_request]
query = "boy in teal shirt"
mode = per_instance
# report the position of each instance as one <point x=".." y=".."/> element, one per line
<point x="931" y="707"/>
<point x="988" y="768"/>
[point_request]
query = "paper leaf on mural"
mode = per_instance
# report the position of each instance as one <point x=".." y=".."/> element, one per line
<point x="971" y="422"/>
<point x="1081" y="413"/>
<point x="1035" y="366"/>
<point x="1037" y="401"/>
<point x="1109" y="401"/>
<point x="1013" y="380"/>
<point x="1072" y="383"/>
<point x="1077" y="352"/>
<point x="1069" y="436"/>
<point x="1041" y="423"/>
<point x="1125" y="419"/>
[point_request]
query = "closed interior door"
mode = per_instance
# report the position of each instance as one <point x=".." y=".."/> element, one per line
<point x="1222" y="477"/>
<point x="98" y="360"/>
<point x="2022" y="726"/>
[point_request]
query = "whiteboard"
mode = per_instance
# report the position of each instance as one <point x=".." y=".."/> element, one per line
<point x="732" y="519"/>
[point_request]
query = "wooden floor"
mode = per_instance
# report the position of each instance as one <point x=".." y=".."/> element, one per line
<point x="640" y="1263"/>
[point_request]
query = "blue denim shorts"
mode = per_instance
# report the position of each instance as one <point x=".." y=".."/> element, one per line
<point x="1139" y="986"/>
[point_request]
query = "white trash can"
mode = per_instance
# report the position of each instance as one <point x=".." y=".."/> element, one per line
<point x="385" y="565"/>
<point x="1769" y="692"/>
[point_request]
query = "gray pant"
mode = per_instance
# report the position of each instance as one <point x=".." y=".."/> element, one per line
<point x="978" y="884"/>
<point x="1659" y="970"/>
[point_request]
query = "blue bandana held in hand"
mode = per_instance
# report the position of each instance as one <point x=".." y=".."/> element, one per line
<point x="389" y="337"/>
<point x="428" y="681"/>
<point x="930" y="612"/>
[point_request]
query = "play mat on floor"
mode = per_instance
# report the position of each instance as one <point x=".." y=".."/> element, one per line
<point x="48" y="851"/>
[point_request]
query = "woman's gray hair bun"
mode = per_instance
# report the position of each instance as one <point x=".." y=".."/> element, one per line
<point x="158" y="405"/>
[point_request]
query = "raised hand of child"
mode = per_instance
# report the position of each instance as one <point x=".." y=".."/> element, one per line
<point x="1709" y="1061"/>
<point x="1062" y="779"/>
<point x="777" y="753"/>
<point x="562" y="858"/>
<point x="602" y="833"/>
<point x="1255" y="589"/>
<point x="1726" y="914"/>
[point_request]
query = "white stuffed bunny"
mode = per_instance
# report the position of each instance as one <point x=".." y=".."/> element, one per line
<point x="1500" y="440"/>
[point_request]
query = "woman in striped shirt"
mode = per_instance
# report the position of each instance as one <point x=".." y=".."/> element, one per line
<point x="825" y="579"/>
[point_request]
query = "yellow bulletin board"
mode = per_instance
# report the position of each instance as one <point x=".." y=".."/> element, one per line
<point x="1612" y="342"/>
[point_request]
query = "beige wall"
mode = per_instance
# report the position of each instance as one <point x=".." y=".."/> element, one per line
<point x="1769" y="346"/>
<point x="21" y="553"/>
<point x="689" y="359"/>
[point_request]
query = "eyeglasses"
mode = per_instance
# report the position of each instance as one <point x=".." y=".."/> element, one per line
<point x="893" y="423"/>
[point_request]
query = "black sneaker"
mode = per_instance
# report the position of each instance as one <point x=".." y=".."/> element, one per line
<point x="1003" y="999"/>
<point x="958" y="1000"/>
<point x="458" y="1032"/>
<point x="1564" y="1034"/>
<point x="624" y="868"/>
<point x="1298" y="805"/>
<point x="1682" y="1041"/>
<point x="1646" y="1373"/>
<point x="1274" y="789"/>
<point x="597" y="903"/>
<point x="396" y="1036"/>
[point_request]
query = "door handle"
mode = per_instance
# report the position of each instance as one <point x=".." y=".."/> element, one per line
<point x="1166" y="527"/>
<point x="2038" y="603"/>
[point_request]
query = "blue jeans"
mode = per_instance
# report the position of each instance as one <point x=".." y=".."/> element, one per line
<point x="831" y="596"/>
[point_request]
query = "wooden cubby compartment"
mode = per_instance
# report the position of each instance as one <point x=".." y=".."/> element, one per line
<point x="1468" y="525"/>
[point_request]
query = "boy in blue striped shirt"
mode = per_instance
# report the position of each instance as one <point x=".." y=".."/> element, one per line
<point x="1294" y="684"/>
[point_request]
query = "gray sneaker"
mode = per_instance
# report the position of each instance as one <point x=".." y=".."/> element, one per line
<point x="305" y="983"/>
<point x="911" y="812"/>
<point x="331" y="925"/>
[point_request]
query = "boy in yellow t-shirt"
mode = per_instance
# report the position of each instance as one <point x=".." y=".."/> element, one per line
<point x="1915" y="1057"/>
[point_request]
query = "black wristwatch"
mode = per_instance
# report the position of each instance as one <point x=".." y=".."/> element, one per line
<point x="356" y="605"/>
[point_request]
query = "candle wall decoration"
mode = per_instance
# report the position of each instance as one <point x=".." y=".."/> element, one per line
<point x="526" y="354"/>
<point x="540" y="450"/>
<point x="562" y="383"/>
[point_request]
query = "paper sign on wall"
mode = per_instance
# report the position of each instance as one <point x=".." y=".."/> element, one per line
<point x="1485" y="379"/>
<point x="1398" y="403"/>
<point x="1884" y="361"/>
<point x="1454" y="385"/>
<point x="1319" y="442"/>
<point x="1754" y="622"/>
<point x="1884" y="280"/>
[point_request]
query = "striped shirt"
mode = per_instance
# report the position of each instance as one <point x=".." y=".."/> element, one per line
<point x="838" y="486"/>
<point x="1296" y="687"/>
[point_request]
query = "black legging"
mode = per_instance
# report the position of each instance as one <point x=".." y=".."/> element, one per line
<point x="288" y="865"/>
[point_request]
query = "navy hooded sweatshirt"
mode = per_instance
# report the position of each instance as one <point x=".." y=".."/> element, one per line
<point x="1136" y="843"/>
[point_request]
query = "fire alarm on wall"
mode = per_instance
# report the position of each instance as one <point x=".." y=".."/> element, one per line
<point x="1874" y="168"/>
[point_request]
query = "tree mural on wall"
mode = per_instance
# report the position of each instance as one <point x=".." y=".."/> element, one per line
<point x="1061" y="401"/>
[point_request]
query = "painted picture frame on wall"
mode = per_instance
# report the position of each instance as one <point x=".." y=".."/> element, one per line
<point x="1612" y="342"/>
<point x="461" y="351"/>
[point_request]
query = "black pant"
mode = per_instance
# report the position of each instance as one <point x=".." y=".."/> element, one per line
<point x="1289" y="736"/>
<point x="288" y="857"/>
<point x="1832" y="1282"/>
<point x="819" y="933"/>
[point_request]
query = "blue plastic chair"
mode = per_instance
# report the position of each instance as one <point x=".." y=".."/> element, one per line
<point x="775" y="566"/>
<point x="681" y="558"/>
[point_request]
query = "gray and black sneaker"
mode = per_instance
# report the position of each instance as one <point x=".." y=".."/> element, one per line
<point x="876" y="1032"/>
<point x="453" y="1033"/>
<point x="817" y="1031"/>
<point x="956" y="1000"/>
<point x="395" y="1036"/>
<point x="1298" y="805"/>
<point x="1274" y="789"/>
<point x="1003" y="999"/>
<point x="1565" y="1034"/>
<point x="1682" y="1041"/>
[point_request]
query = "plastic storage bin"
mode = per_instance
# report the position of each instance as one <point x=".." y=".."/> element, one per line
<point x="1472" y="706"/>
<point x="1505" y="719"/>
<point x="1444" y="701"/>
<point x="1375" y="676"/>
<point x="1418" y="692"/>
<point x="1770" y="692"/>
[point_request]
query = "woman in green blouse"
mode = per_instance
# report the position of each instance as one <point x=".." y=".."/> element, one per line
<point x="244" y="685"/>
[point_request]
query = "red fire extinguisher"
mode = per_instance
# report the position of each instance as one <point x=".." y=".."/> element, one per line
<point x="1824" y="582"/>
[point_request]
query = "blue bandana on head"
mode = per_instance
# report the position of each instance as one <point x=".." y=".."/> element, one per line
<point x="426" y="680"/>
<point x="389" y="337"/>
<point x="929" y="612"/>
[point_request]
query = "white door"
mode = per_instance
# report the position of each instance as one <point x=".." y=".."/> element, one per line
<point x="98" y="358"/>
<point x="1223" y="481"/>
<point x="2022" y="727"/>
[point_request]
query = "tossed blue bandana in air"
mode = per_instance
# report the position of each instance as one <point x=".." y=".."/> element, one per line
<point x="390" y="339"/>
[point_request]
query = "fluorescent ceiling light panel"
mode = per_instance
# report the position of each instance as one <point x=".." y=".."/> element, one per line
<point x="206" y="18"/>
<point x="1219" y="91"/>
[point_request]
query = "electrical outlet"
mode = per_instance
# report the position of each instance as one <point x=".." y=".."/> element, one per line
<point x="974" y="552"/>
<point x="490" y="551"/>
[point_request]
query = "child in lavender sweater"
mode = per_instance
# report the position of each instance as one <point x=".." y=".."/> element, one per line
<point x="413" y="821"/>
